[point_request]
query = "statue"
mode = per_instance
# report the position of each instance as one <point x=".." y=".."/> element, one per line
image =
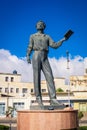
<point x="39" y="43"/>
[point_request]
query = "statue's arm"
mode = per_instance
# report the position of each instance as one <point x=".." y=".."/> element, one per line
<point x="29" y="50"/>
<point x="59" y="43"/>
<point x="56" y="44"/>
<point x="28" y="55"/>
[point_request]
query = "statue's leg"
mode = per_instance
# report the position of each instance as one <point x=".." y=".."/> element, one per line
<point x="50" y="82"/>
<point x="37" y="77"/>
<point x="49" y="78"/>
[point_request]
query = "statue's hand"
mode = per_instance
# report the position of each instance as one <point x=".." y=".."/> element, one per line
<point x="64" y="39"/>
<point x="28" y="60"/>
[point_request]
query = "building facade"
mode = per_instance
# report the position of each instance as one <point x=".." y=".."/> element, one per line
<point x="20" y="95"/>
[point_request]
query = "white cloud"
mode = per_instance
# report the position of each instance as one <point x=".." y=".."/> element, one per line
<point x="9" y="62"/>
<point x="77" y="66"/>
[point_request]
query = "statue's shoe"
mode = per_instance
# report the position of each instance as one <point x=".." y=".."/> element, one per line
<point x="54" y="102"/>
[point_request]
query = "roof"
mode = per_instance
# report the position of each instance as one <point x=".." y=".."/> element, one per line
<point x="9" y="74"/>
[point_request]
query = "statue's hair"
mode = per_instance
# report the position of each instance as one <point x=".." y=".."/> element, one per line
<point x="40" y="21"/>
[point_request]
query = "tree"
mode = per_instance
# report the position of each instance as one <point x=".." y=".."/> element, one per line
<point x="10" y="111"/>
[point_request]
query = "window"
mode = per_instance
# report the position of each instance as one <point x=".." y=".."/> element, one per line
<point x="6" y="90"/>
<point x="6" y="79"/>
<point x="2" y="109"/>
<point x="83" y="106"/>
<point x="18" y="106"/>
<point x="67" y="90"/>
<point x="17" y="90"/>
<point x="72" y="84"/>
<point x="0" y="90"/>
<point x="43" y="90"/>
<point x="12" y="79"/>
<point x="32" y="90"/>
<point x="24" y="90"/>
<point x="11" y="90"/>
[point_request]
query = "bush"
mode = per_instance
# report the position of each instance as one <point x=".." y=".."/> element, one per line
<point x="80" y="114"/>
<point x="59" y="90"/>
<point x="2" y="127"/>
<point x="83" y="128"/>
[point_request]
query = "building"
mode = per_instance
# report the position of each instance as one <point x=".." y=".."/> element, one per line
<point x="20" y="95"/>
<point x="78" y="86"/>
<point x="14" y="93"/>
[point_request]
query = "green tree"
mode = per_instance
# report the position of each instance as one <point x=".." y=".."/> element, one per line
<point x="10" y="111"/>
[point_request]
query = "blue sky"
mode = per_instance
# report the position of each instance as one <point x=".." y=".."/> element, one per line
<point x="17" y="22"/>
<point x="18" y="19"/>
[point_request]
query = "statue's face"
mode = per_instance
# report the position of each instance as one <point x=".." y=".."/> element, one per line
<point x="40" y="25"/>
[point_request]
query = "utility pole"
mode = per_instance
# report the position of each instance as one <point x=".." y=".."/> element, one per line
<point x="67" y="54"/>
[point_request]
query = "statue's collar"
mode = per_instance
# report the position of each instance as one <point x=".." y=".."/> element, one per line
<point x="39" y="34"/>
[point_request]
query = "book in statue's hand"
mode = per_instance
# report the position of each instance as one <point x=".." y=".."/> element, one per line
<point x="68" y="34"/>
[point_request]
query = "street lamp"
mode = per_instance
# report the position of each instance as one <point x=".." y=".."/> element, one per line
<point x="68" y="77"/>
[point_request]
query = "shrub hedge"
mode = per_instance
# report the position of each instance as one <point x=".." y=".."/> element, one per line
<point x="83" y="128"/>
<point x="2" y="127"/>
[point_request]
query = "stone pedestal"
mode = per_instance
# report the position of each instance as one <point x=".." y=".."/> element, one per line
<point x="47" y="120"/>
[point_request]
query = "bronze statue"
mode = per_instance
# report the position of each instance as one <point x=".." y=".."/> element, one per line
<point x="39" y="43"/>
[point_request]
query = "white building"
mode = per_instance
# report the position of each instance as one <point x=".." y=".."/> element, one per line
<point x="18" y="94"/>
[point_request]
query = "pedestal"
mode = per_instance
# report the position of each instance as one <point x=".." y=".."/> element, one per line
<point x="47" y="120"/>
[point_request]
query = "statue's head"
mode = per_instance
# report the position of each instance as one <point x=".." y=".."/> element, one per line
<point x="40" y="25"/>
